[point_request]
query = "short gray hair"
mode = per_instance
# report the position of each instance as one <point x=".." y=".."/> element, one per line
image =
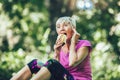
<point x="66" y="19"/>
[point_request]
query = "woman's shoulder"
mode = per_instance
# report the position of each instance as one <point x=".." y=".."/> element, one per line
<point x="82" y="43"/>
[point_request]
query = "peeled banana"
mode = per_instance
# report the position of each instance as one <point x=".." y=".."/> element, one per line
<point x="62" y="37"/>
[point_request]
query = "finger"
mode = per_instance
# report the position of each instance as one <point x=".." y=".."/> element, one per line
<point x="74" y="30"/>
<point x="58" y="45"/>
<point x="58" y="40"/>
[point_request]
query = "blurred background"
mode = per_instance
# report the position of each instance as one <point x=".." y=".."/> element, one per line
<point x="27" y="31"/>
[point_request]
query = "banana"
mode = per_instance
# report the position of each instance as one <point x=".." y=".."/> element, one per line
<point x="62" y="37"/>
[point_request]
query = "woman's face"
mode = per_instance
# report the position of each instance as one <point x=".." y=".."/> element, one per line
<point x="65" y="28"/>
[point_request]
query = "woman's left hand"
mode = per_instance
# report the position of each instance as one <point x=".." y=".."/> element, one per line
<point x="75" y="36"/>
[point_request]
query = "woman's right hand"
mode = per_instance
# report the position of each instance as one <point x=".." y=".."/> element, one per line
<point x="58" y="46"/>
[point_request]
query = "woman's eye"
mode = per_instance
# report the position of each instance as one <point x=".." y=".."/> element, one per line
<point x="58" y="26"/>
<point x="66" y="25"/>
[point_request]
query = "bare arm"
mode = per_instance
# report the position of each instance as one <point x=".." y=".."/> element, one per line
<point x="57" y="48"/>
<point x="56" y="55"/>
<point x="76" y="58"/>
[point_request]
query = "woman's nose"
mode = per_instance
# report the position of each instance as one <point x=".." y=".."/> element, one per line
<point x="62" y="28"/>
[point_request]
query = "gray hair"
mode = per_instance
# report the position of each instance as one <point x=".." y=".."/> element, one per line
<point x="66" y="19"/>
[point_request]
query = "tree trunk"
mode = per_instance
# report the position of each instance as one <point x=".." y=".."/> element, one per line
<point x="59" y="8"/>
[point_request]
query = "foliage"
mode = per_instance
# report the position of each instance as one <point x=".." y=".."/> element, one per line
<point x="102" y="27"/>
<point x="27" y="31"/>
<point x="25" y="25"/>
<point x="10" y="63"/>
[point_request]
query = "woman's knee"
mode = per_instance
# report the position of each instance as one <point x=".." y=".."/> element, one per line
<point x="55" y="68"/>
<point x="42" y="74"/>
<point x="33" y="66"/>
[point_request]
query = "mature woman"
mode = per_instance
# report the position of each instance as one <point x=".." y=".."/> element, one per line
<point x="71" y="57"/>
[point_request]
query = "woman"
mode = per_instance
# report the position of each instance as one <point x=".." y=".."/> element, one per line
<point x="71" y="59"/>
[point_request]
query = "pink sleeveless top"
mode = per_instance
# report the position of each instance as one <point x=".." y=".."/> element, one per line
<point x="81" y="71"/>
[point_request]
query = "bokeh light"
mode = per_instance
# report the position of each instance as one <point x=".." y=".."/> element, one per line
<point x="84" y="4"/>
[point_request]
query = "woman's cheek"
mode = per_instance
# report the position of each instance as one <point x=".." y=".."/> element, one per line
<point x="69" y="36"/>
<point x="57" y="31"/>
<point x="71" y="32"/>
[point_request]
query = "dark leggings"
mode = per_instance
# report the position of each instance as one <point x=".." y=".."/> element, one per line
<point x="58" y="72"/>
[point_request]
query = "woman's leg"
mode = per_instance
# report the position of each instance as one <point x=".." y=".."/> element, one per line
<point x="42" y="74"/>
<point x="26" y="72"/>
<point x="52" y="70"/>
<point x="23" y="74"/>
<point x="58" y="72"/>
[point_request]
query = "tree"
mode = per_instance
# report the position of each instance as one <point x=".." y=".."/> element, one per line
<point x="28" y="26"/>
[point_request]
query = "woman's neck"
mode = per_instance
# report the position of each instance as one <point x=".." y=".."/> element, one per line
<point x="68" y="42"/>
